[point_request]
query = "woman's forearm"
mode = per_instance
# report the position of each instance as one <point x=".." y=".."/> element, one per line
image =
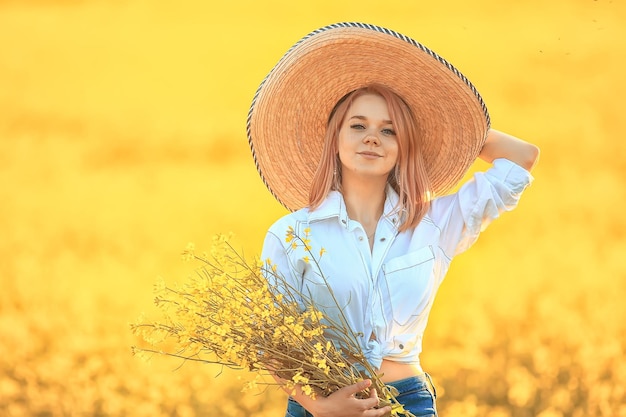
<point x="503" y="145"/>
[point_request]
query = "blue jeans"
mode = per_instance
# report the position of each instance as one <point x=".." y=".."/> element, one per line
<point x="417" y="394"/>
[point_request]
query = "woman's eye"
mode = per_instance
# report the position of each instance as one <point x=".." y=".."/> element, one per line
<point x="389" y="132"/>
<point x="357" y="126"/>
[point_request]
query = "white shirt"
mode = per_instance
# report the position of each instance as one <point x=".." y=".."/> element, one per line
<point x="386" y="294"/>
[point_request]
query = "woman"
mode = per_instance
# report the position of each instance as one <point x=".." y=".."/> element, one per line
<point x="377" y="202"/>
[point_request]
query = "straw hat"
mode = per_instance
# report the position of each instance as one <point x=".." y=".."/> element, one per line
<point x="288" y="116"/>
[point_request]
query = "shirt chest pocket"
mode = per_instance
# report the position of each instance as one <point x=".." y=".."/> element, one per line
<point x="410" y="283"/>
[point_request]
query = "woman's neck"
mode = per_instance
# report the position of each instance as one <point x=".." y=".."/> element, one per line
<point x="365" y="203"/>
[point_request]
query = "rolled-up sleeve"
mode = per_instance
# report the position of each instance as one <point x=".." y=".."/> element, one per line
<point x="461" y="216"/>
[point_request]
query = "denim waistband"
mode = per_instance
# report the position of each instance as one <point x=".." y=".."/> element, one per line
<point x="415" y="382"/>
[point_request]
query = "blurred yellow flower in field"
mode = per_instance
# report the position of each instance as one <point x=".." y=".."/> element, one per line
<point x="522" y="386"/>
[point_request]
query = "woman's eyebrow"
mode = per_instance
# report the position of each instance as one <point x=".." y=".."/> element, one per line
<point x="387" y="122"/>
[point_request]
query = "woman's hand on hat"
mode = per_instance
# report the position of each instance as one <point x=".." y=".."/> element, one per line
<point x="343" y="403"/>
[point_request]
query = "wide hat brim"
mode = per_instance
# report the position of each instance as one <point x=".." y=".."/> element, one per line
<point x="288" y="116"/>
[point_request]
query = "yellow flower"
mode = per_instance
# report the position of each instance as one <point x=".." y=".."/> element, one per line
<point x="250" y="385"/>
<point x="317" y="316"/>
<point x="298" y="378"/>
<point x="289" y="235"/>
<point x="297" y="329"/>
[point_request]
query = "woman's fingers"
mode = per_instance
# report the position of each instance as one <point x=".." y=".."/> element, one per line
<point x="374" y="394"/>
<point x="354" y="388"/>
<point x="378" y="412"/>
<point x="366" y="404"/>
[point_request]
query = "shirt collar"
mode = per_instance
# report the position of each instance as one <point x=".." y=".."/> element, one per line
<point x="334" y="206"/>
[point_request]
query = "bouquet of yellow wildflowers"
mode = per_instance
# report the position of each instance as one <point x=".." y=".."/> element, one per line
<point x="228" y="313"/>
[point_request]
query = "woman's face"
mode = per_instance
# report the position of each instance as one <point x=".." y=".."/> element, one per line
<point x="367" y="143"/>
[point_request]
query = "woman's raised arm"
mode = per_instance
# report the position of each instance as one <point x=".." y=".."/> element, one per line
<point x="503" y="145"/>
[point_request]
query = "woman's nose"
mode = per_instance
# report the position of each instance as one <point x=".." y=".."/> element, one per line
<point x="371" y="138"/>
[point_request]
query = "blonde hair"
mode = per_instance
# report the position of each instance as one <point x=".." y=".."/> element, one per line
<point x="409" y="178"/>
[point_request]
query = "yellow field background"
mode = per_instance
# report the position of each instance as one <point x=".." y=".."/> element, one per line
<point x="122" y="138"/>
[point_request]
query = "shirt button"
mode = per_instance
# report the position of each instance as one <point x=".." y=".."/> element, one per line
<point x="361" y="238"/>
<point x="382" y="239"/>
<point x="401" y="346"/>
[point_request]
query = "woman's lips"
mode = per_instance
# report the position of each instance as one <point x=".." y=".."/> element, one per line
<point x="369" y="155"/>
